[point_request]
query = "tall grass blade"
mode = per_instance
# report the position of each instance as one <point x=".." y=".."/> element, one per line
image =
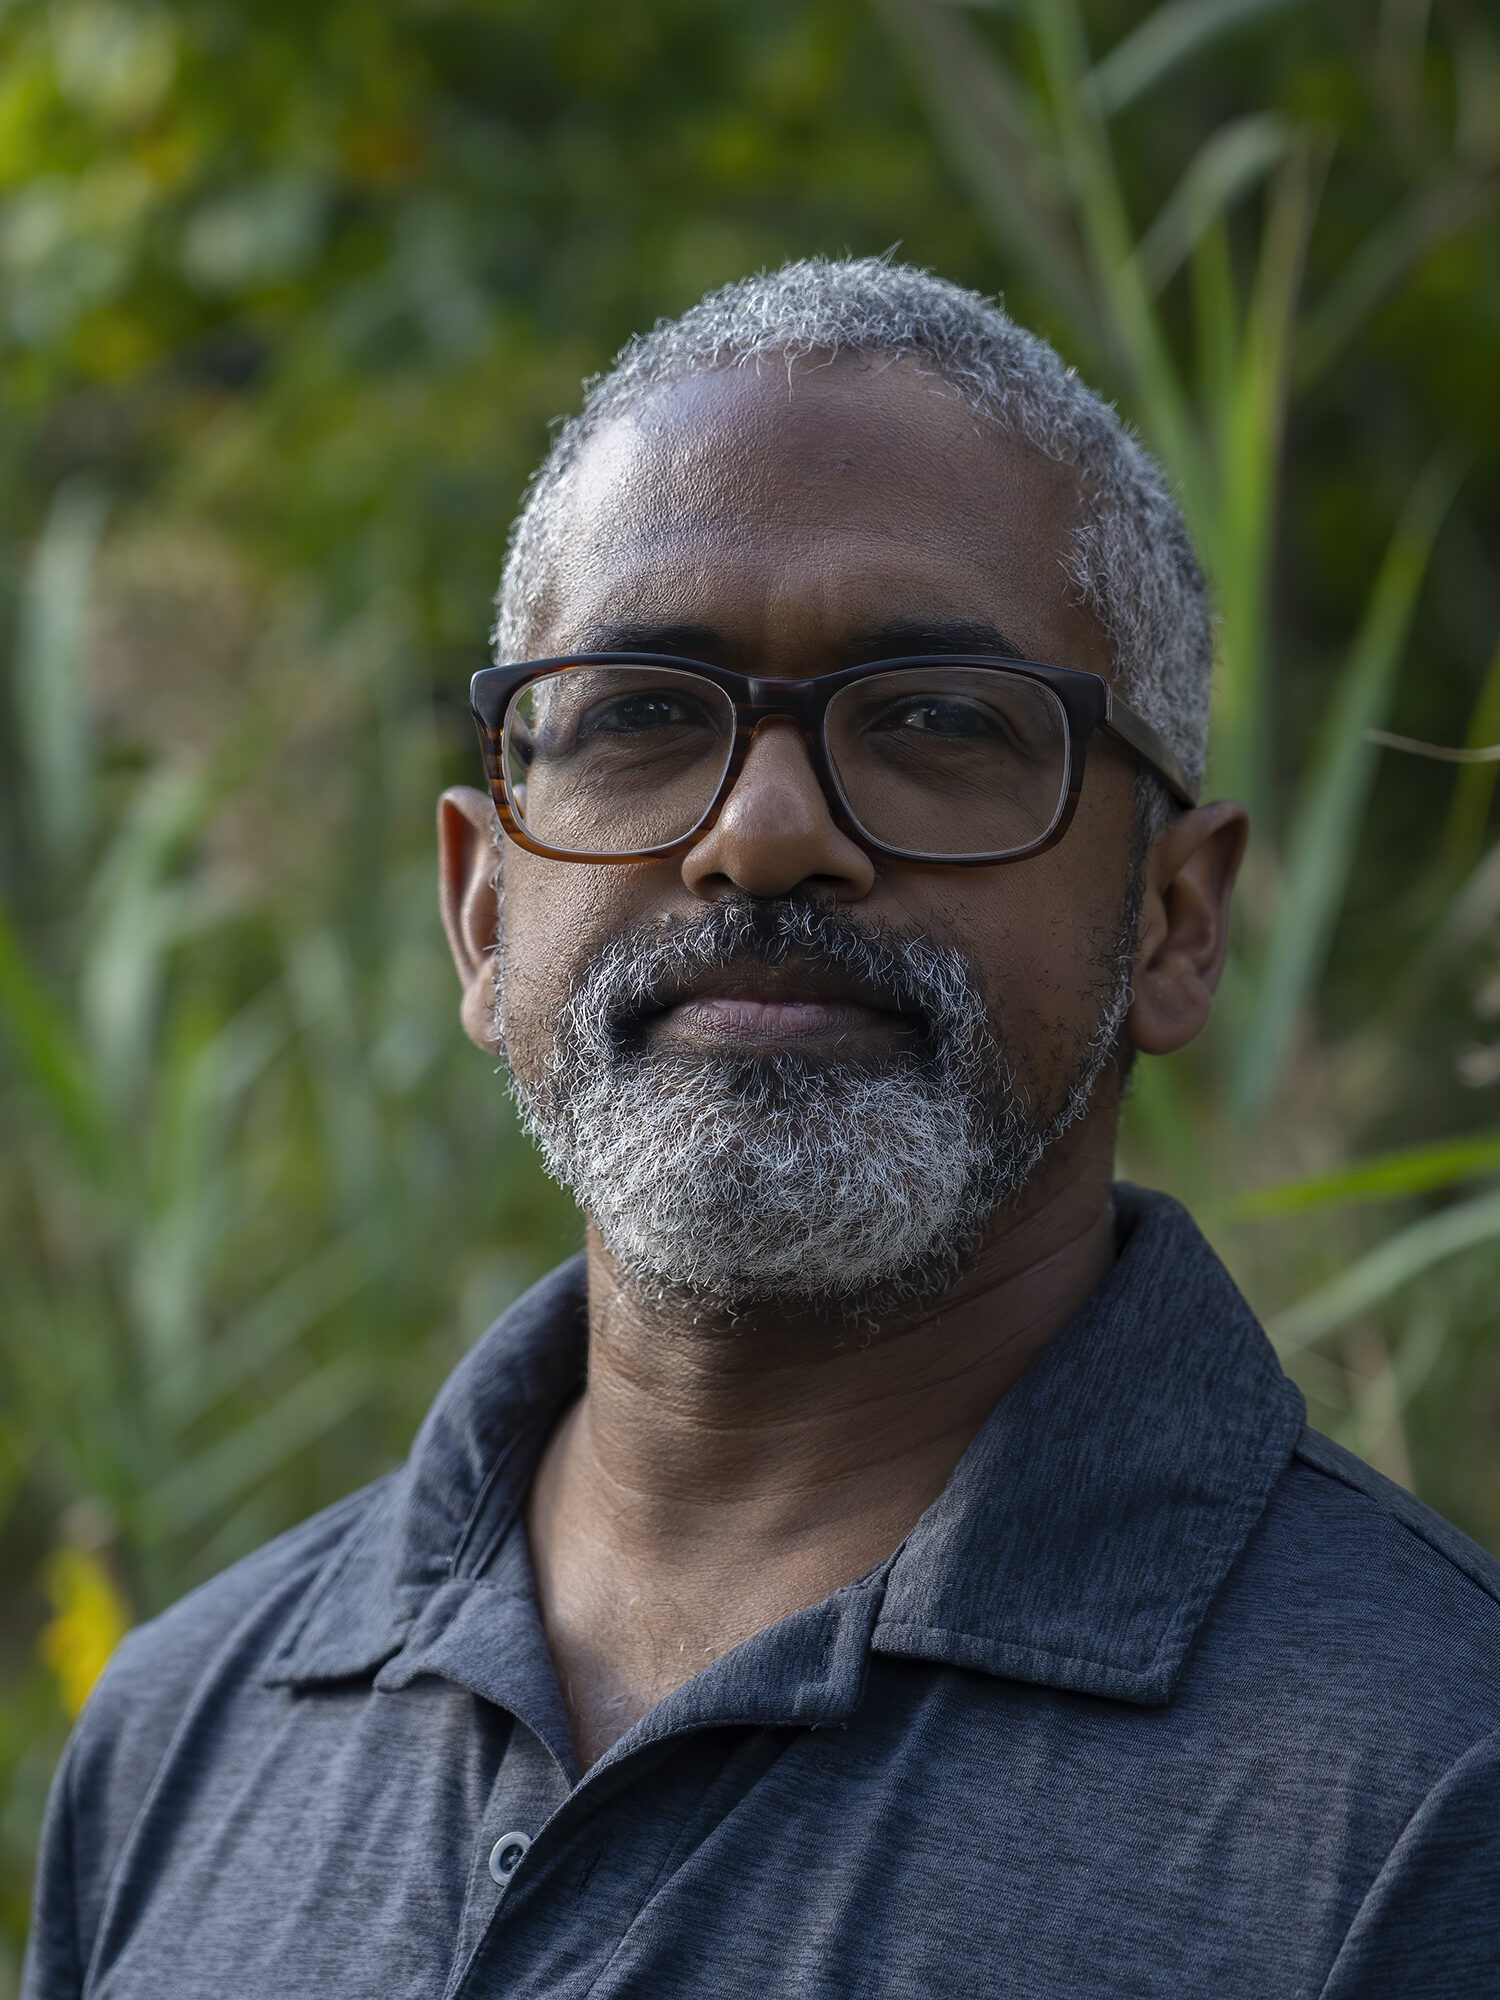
<point x="132" y="916"/>
<point x="1215" y="318"/>
<point x="1167" y="37"/>
<point x="51" y="693"/>
<point x="225" y="1471"/>
<point x="1320" y="847"/>
<point x="49" y="1059"/>
<point x="1228" y="164"/>
<point x="991" y="134"/>
<point x="1140" y="348"/>
<point x="1373" y="1278"/>
<point x="1248" y="419"/>
<point x="1385" y="1177"/>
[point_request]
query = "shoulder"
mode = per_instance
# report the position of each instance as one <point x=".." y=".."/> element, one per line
<point x="1395" y="1519"/>
<point x="1372" y="1542"/>
<point x="1369" y="1607"/>
<point x="216" y="1636"/>
<point x="264" y="1589"/>
<point x="1430" y="1921"/>
<point x="177" y="1672"/>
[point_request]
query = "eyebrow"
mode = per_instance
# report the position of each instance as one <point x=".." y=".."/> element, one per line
<point x="691" y="642"/>
<point x="891" y="641"/>
<point x="947" y="635"/>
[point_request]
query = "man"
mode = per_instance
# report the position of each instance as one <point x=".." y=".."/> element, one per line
<point x="890" y="1562"/>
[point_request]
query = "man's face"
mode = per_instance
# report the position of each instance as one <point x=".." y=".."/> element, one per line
<point x="787" y="526"/>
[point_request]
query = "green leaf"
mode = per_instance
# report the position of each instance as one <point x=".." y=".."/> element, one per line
<point x="1386" y="255"/>
<point x="1167" y="37"/>
<point x="1385" y="1177"/>
<point x="48" y="1056"/>
<point x="1320" y="847"/>
<point x="1373" y="1278"/>
<point x="258" y="1447"/>
<point x="51" y="693"/>
<point x="989" y="128"/>
<point x="1226" y="166"/>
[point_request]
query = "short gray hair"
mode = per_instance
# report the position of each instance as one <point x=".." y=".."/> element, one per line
<point x="1130" y="559"/>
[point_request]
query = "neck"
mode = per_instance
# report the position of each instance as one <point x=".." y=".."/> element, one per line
<point x="792" y="1412"/>
<point x="717" y="1475"/>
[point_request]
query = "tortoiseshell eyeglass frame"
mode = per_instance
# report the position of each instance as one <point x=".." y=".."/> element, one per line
<point x="1087" y="700"/>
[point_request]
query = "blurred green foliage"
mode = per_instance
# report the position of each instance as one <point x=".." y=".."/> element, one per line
<point x="288" y="296"/>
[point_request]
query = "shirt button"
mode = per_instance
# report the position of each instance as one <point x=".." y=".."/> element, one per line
<point x="505" y="1855"/>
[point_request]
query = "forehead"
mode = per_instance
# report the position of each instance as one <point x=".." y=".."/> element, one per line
<point x="784" y="508"/>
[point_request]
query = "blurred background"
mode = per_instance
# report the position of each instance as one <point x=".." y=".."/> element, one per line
<point x="289" y="295"/>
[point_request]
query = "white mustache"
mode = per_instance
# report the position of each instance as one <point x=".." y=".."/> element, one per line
<point x="908" y="975"/>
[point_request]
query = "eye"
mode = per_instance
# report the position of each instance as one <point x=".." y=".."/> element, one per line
<point x="633" y="714"/>
<point x="940" y="715"/>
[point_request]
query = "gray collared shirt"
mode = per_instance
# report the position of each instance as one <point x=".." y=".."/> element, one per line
<point x="1165" y="1695"/>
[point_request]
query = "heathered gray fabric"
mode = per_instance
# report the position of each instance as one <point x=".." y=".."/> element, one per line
<point x="1166" y="1696"/>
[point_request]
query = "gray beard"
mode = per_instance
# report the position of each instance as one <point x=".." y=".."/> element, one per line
<point x="738" y="1182"/>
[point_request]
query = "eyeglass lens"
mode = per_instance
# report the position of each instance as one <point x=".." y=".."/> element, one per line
<point x="932" y="760"/>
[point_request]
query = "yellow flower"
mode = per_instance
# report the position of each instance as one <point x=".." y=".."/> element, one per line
<point x="91" y="1619"/>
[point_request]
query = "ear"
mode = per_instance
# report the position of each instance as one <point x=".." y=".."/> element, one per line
<point x="1184" y="934"/>
<point x="468" y="854"/>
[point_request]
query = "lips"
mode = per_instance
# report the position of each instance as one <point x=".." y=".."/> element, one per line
<point x="771" y="1007"/>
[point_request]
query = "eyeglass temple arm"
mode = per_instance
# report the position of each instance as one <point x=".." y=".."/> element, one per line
<point x="1121" y="720"/>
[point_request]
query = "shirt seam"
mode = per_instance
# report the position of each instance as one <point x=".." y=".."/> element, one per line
<point x="1490" y="1736"/>
<point x="1390" y="1513"/>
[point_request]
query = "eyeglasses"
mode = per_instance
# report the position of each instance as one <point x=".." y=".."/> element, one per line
<point x="962" y="761"/>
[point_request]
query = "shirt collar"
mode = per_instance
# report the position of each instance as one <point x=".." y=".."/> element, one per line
<point x="1087" y="1529"/>
<point x="1078" y="1544"/>
<point x="433" y="1527"/>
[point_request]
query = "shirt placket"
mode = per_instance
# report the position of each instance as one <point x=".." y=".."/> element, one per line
<point x="589" y="1872"/>
<point x="529" y="1789"/>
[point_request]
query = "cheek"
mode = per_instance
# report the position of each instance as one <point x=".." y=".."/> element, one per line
<point x="1036" y="932"/>
<point x="555" y="919"/>
<point x="1031" y="955"/>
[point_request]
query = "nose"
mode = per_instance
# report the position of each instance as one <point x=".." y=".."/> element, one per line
<point x="776" y="833"/>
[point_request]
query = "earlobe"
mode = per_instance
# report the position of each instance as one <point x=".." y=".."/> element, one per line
<point x="468" y="860"/>
<point x="1184" y="935"/>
